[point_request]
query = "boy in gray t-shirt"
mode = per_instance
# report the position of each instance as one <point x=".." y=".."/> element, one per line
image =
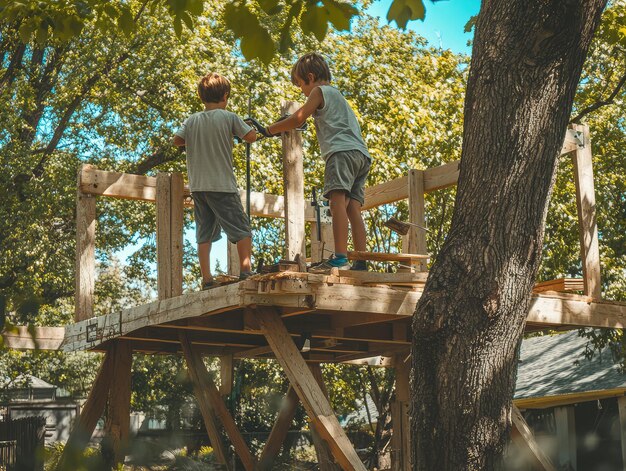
<point x="347" y="159"/>
<point x="208" y="139"/>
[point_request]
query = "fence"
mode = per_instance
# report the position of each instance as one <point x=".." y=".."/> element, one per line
<point x="21" y="444"/>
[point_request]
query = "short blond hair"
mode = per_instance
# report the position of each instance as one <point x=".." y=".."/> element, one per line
<point x="212" y="88"/>
<point x="311" y="63"/>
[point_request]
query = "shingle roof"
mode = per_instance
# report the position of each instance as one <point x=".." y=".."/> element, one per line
<point x="553" y="365"/>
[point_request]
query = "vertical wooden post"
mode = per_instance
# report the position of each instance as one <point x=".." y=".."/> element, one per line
<point x="117" y="426"/>
<point x="566" y="437"/>
<point x="293" y="181"/>
<point x="587" y="222"/>
<point x="324" y="456"/>
<point x="233" y="260"/>
<point x="163" y="236"/>
<point x="328" y="240"/>
<point x="417" y="236"/>
<point x="226" y="374"/>
<point x="176" y="231"/>
<point x="400" y="440"/>
<point x="621" y="405"/>
<point x="85" y="253"/>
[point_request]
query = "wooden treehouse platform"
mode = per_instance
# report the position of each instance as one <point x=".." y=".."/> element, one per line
<point x="298" y="318"/>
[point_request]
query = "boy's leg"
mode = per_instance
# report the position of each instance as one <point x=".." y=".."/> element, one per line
<point x="244" y="250"/>
<point x="338" y="210"/>
<point x="204" y="256"/>
<point x="358" y="225"/>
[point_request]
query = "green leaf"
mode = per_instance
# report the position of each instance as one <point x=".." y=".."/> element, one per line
<point x="258" y="43"/>
<point x="314" y="20"/>
<point x="401" y="11"/>
<point x="187" y="19"/>
<point x="195" y="7"/>
<point x="42" y="33"/>
<point x="111" y="11"/>
<point x="271" y="7"/>
<point x="178" y="27"/>
<point x="26" y="29"/>
<point x="126" y="22"/>
<point x="340" y="13"/>
<point x="469" y="26"/>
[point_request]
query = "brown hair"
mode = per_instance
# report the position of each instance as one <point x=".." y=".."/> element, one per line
<point x="212" y="88"/>
<point x="311" y="63"/>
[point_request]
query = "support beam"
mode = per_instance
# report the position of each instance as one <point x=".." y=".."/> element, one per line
<point x="233" y="267"/>
<point x="293" y="182"/>
<point x="308" y="390"/>
<point x="587" y="218"/>
<point x="85" y="254"/>
<point x="163" y="236"/>
<point x="417" y="215"/>
<point x="523" y="436"/>
<point x="177" y="199"/>
<point x="91" y="411"/>
<point x="279" y="430"/>
<point x="207" y="392"/>
<point x="117" y="425"/>
<point x="226" y="374"/>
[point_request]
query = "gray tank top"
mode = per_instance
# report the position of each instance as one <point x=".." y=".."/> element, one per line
<point x="336" y="125"/>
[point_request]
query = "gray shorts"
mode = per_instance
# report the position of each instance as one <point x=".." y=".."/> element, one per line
<point x="216" y="210"/>
<point x="347" y="171"/>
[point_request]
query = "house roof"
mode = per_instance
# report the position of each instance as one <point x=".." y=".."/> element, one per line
<point x="554" y="365"/>
<point x="32" y="382"/>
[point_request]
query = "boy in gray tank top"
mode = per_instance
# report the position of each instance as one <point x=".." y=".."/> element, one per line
<point x="208" y="139"/>
<point x="343" y="149"/>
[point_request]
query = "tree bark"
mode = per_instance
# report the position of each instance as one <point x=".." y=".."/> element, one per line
<point x="526" y="62"/>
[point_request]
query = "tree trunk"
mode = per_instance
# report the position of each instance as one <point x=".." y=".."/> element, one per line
<point x="526" y="63"/>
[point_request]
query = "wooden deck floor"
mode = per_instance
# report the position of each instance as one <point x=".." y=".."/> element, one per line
<point x="348" y="316"/>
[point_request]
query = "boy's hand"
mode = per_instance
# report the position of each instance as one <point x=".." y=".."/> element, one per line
<point x="259" y="127"/>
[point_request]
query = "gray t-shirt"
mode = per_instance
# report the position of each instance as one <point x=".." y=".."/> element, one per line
<point x="336" y="125"/>
<point x="208" y="139"/>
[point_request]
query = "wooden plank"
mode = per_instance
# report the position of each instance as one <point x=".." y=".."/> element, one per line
<point x="372" y="277"/>
<point x="293" y="183"/>
<point x="401" y="455"/>
<point x="417" y="215"/>
<point x="117" y="425"/>
<point x="308" y="390"/>
<point x="385" y="193"/>
<point x="560" y="284"/>
<point x="204" y="403"/>
<point x="163" y="236"/>
<point x="387" y="257"/>
<point x="39" y="338"/>
<point x="139" y="187"/>
<point x="176" y="233"/>
<point x="279" y="430"/>
<point x="444" y="176"/>
<point x="91" y="411"/>
<point x="212" y="395"/>
<point x="587" y="222"/>
<point x="621" y="405"/>
<point x="233" y="267"/>
<point x="566" y="437"/>
<point x="85" y="254"/>
<point x="324" y="456"/>
<point x="525" y="438"/>
<point x="226" y="374"/>
<point x="572" y="142"/>
<point x="544" y="402"/>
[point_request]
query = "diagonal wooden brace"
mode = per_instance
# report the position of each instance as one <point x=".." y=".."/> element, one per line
<point x="316" y="404"/>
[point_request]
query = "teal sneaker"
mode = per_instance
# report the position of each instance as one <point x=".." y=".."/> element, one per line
<point x="333" y="262"/>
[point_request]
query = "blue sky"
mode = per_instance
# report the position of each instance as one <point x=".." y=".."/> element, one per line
<point x="444" y="23"/>
<point x="443" y="27"/>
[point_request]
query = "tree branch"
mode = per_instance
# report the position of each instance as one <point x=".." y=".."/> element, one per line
<point x="600" y="103"/>
<point x="161" y="155"/>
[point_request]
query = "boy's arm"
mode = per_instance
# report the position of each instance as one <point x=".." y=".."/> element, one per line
<point x="178" y="141"/>
<point x="250" y="137"/>
<point x="315" y="100"/>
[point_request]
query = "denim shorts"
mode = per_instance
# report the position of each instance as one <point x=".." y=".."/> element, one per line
<point x="216" y="210"/>
<point x="347" y="171"/>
